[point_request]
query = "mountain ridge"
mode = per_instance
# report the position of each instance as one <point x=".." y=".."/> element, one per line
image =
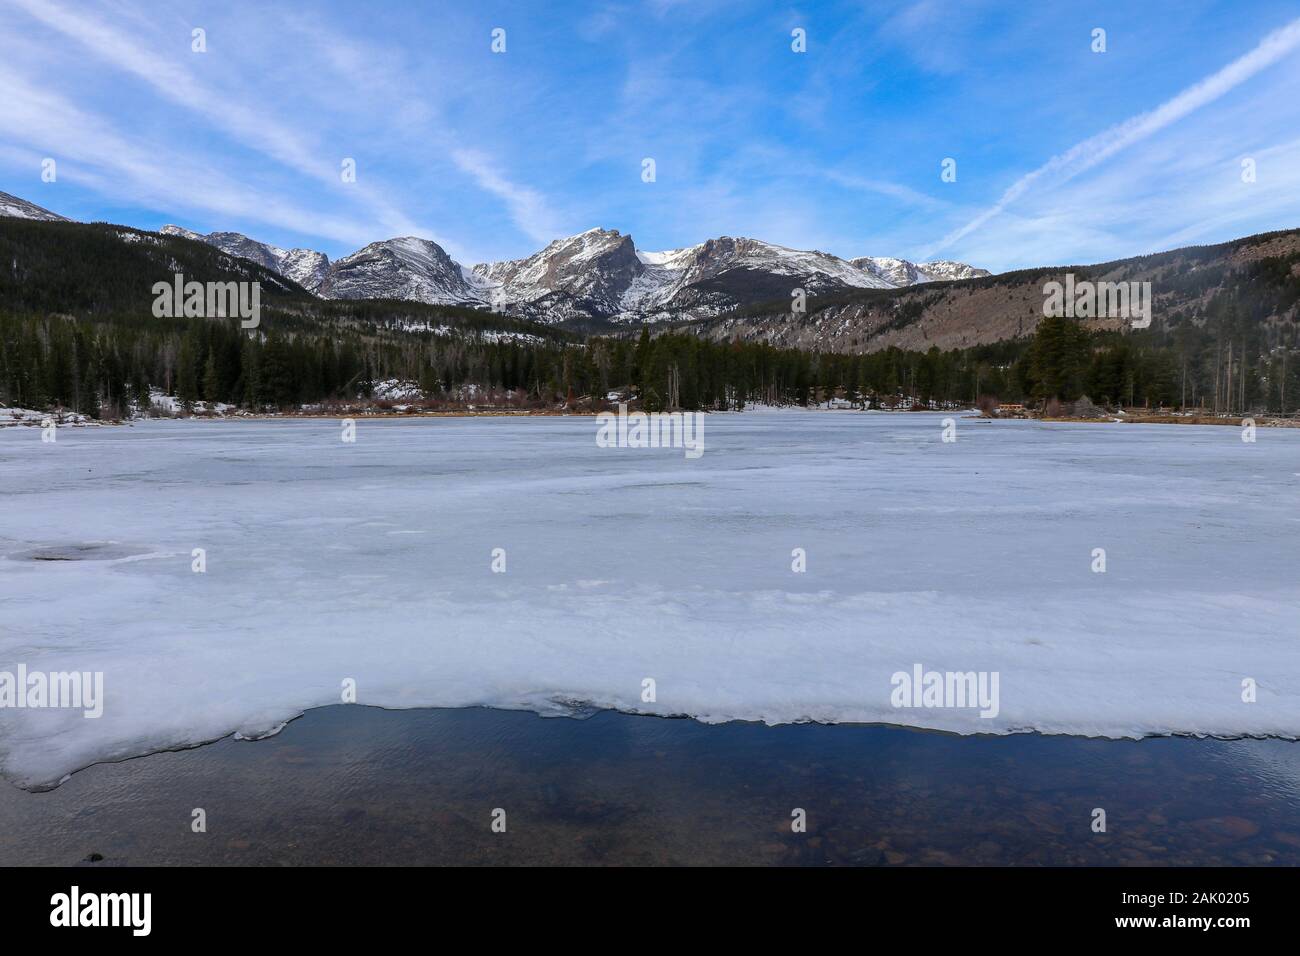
<point x="16" y="208"/>
<point x="1258" y="276"/>
<point x="597" y="276"/>
<point x="738" y="289"/>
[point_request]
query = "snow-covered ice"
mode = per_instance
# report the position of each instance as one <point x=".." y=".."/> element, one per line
<point x="373" y="561"/>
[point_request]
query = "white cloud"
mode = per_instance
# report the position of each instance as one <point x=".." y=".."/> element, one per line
<point x="528" y="208"/>
<point x="1096" y="149"/>
<point x="882" y="187"/>
<point x="269" y="135"/>
<point x="92" y="152"/>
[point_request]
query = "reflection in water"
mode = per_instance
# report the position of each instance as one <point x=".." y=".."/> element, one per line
<point x="361" y="785"/>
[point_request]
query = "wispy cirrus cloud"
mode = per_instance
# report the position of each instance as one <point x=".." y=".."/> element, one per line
<point x="528" y="208"/>
<point x="1101" y="147"/>
<point x="883" y="187"/>
<point x="359" y="73"/>
<point x="493" y="155"/>
<point x="93" y="152"/>
<point x="272" y="136"/>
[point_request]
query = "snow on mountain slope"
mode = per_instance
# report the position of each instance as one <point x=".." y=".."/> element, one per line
<point x="708" y="260"/>
<point x="901" y="272"/>
<point x="716" y="276"/>
<point x="308" y="268"/>
<point x="403" y="268"/>
<point x="17" y="208"/>
<point x="820" y="268"/>
<point x="170" y="230"/>
<point x="598" y="274"/>
<point x="586" y="273"/>
<point x="946" y="270"/>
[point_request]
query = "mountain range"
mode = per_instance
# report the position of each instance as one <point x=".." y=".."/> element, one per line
<point x="728" y="289"/>
<point x="75" y="303"/>
<point x="1254" y="280"/>
<point x="596" y="276"/>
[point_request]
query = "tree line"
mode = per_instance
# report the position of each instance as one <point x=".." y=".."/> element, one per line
<point x="76" y="332"/>
<point x="101" y="367"/>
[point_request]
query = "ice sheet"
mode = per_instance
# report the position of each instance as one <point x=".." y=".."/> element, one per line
<point x="372" y="561"/>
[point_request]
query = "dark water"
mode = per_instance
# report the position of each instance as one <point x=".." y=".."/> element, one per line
<point x="357" y="785"/>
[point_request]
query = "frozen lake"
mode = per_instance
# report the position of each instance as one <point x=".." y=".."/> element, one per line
<point x="372" y="563"/>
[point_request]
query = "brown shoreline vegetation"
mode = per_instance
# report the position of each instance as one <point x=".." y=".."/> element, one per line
<point x="1178" y="420"/>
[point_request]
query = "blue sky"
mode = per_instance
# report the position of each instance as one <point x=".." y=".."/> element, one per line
<point x="1063" y="155"/>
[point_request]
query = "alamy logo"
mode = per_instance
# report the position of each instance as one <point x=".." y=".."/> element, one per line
<point x="1101" y="300"/>
<point x="208" y="300"/>
<point x="103" y="909"/>
<point x="71" y="689"/>
<point x="922" y="688"/>
<point x="652" y="430"/>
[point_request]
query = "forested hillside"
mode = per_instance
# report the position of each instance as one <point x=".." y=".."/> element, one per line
<point x="77" y="332"/>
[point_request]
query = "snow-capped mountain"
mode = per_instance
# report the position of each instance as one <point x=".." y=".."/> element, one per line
<point x="581" y="276"/>
<point x="717" y="275"/>
<point x="308" y="268"/>
<point x="17" y="208"/>
<point x="405" y="268"/>
<point x="901" y="272"/>
<point x="598" y="274"/>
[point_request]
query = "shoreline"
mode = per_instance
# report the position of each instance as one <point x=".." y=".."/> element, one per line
<point x="369" y="413"/>
<point x="367" y="786"/>
<point x="1177" y="420"/>
<point x="583" y="714"/>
